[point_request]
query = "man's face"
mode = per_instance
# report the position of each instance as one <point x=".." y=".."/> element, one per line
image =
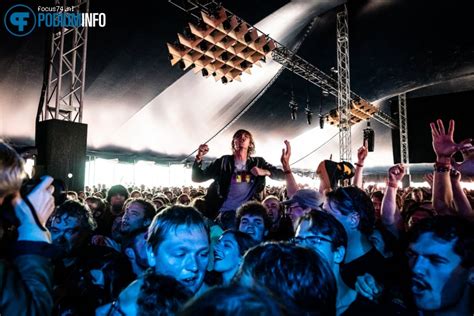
<point x="254" y="226"/>
<point x="241" y="141"/>
<point x="315" y="241"/>
<point x="66" y="233"/>
<point x="183" y="255"/>
<point x="273" y="209"/>
<point x="438" y="279"/>
<point x="295" y="211"/>
<point x="134" y="218"/>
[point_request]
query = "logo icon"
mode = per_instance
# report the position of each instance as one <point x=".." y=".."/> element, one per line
<point x="20" y="20"/>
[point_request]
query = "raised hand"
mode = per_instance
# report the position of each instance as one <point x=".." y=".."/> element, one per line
<point x="285" y="156"/>
<point x="42" y="200"/>
<point x="362" y="153"/>
<point x="368" y="287"/>
<point x="443" y="142"/>
<point x="396" y="173"/>
<point x="202" y="151"/>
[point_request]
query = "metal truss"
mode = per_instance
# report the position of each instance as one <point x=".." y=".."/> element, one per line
<point x="402" y="115"/>
<point x="343" y="86"/>
<point x="62" y="96"/>
<point x="287" y="58"/>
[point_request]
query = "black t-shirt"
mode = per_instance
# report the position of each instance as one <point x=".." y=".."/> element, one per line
<point x="372" y="262"/>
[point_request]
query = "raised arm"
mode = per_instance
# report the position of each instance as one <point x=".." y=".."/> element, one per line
<point x="362" y="153"/>
<point x="460" y="200"/>
<point x="199" y="174"/>
<point x="444" y="148"/>
<point x="390" y="213"/>
<point x="291" y="185"/>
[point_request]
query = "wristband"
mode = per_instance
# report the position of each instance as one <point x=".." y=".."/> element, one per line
<point x="287" y="171"/>
<point x="392" y="184"/>
<point x="359" y="165"/>
<point x="441" y="167"/>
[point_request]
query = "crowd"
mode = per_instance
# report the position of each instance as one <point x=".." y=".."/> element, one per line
<point x="240" y="247"/>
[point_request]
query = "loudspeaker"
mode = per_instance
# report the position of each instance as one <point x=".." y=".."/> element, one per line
<point x="61" y="149"/>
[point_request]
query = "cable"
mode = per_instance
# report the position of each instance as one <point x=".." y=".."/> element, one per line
<point x="313" y="151"/>
<point x="233" y="120"/>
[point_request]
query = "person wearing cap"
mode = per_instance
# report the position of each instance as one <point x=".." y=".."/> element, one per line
<point x="303" y="202"/>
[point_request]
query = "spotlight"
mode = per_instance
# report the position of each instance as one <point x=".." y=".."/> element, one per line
<point x="369" y="136"/>
<point x="224" y="80"/>
<point x="309" y="115"/>
<point x="181" y="64"/>
<point x="321" y="121"/>
<point x="205" y="73"/>
<point x="293" y="106"/>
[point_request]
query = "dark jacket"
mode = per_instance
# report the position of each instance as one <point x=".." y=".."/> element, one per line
<point x="221" y="170"/>
<point x="26" y="281"/>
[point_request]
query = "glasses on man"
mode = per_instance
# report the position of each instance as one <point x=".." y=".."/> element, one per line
<point x="291" y="208"/>
<point x="310" y="240"/>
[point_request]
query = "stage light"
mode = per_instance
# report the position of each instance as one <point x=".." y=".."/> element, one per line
<point x="308" y="112"/>
<point x="293" y="106"/>
<point x="309" y="116"/>
<point x="205" y="73"/>
<point x="369" y="137"/>
<point x="321" y="121"/>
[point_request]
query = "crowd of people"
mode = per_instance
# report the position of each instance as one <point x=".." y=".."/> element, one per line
<point x="240" y="247"/>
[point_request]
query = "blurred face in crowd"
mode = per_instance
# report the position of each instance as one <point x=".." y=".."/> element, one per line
<point x="254" y="226"/>
<point x="117" y="201"/>
<point x="295" y="211"/>
<point x="184" y="200"/>
<point x="226" y="254"/>
<point x="133" y="218"/>
<point x="66" y="233"/>
<point x="417" y="195"/>
<point x="315" y="241"/>
<point x="273" y="209"/>
<point x="183" y="255"/>
<point x="417" y="216"/>
<point x="377" y="202"/>
<point x="438" y="279"/>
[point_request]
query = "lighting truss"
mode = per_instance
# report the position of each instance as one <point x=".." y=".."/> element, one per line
<point x="207" y="59"/>
<point x="62" y="96"/>
<point x="221" y="45"/>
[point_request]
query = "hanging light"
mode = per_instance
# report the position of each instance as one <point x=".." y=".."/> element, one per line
<point x="293" y="105"/>
<point x="308" y="112"/>
<point x="369" y="137"/>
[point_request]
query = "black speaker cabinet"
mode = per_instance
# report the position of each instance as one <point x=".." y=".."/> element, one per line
<point x="61" y="149"/>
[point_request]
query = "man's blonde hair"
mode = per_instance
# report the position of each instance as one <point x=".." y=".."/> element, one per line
<point x="12" y="171"/>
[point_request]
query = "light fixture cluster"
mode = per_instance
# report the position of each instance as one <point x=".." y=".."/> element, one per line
<point x="361" y="110"/>
<point x="221" y="45"/>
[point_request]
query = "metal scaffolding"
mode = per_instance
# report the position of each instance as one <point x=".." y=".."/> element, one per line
<point x="343" y="86"/>
<point x="62" y="95"/>
<point x="402" y="115"/>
